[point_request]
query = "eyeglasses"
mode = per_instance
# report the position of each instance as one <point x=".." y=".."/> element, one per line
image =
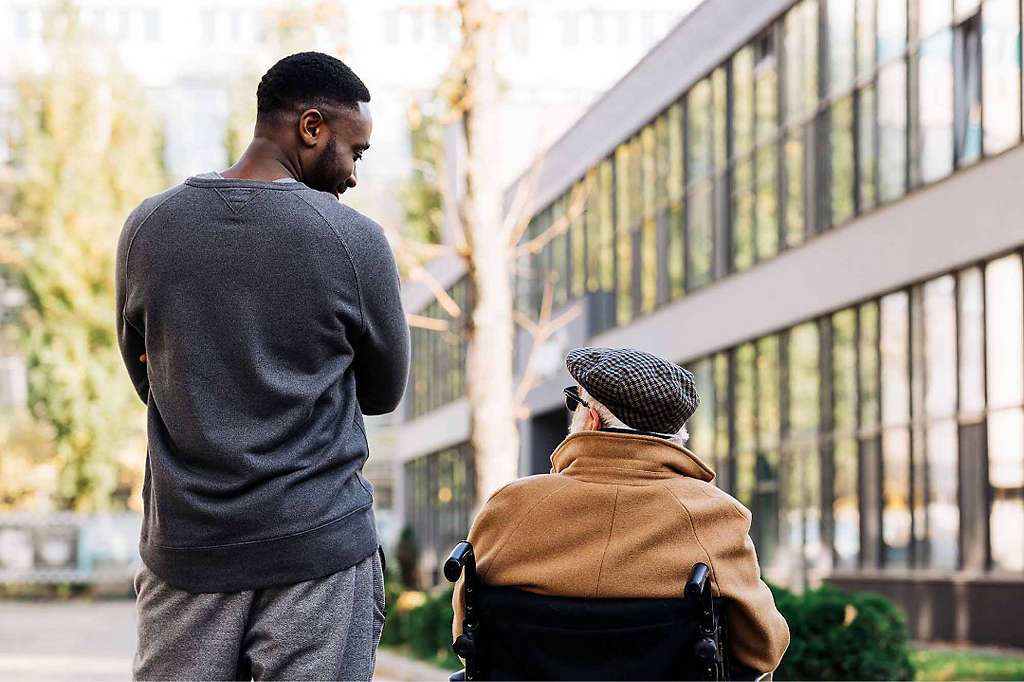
<point x="573" y="399"/>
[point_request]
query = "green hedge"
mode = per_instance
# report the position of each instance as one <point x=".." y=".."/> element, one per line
<point x="839" y="635"/>
<point x="424" y="629"/>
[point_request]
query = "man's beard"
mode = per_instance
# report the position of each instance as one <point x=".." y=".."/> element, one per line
<point x="578" y="418"/>
<point x="324" y="169"/>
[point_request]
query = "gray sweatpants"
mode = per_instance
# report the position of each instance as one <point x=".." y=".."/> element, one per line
<point x="323" y="629"/>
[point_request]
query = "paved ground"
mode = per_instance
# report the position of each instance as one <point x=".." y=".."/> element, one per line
<point x="95" y="640"/>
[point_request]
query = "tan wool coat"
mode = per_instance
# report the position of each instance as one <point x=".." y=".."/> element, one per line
<point x="627" y="515"/>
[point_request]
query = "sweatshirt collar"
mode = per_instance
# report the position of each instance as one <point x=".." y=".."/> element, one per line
<point x="632" y="455"/>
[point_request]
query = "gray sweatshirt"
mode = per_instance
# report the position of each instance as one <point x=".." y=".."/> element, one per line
<point x="271" y="319"/>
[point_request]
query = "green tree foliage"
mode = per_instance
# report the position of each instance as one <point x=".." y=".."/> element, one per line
<point x="420" y="194"/>
<point x="87" y="149"/>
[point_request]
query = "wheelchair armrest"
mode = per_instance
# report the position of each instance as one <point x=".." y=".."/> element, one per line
<point x="458" y="677"/>
<point x="458" y="560"/>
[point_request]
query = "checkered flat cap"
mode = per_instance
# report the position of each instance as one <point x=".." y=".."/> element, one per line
<point x="646" y="392"/>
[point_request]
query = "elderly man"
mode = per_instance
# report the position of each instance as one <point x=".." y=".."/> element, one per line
<point x="627" y="510"/>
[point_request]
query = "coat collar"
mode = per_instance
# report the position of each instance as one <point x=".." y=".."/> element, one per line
<point x="625" y="457"/>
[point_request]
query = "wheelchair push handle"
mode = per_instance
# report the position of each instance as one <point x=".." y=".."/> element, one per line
<point x="698" y="581"/>
<point x="460" y="558"/>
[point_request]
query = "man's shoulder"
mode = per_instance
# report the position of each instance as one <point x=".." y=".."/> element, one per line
<point x="528" y="487"/>
<point x="339" y="215"/>
<point x="697" y="495"/>
<point x="148" y="206"/>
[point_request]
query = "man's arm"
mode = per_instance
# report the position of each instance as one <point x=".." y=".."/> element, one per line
<point x="382" y="352"/>
<point x="759" y="635"/>
<point x="132" y="341"/>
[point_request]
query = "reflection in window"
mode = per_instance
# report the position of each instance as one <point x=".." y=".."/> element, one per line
<point x="765" y="201"/>
<point x="766" y="495"/>
<point x="841" y="151"/>
<point x="866" y="157"/>
<point x="1004" y="303"/>
<point x="743" y="418"/>
<point x="846" y="511"/>
<point x="967" y="92"/>
<point x="742" y="215"/>
<point x="892" y="129"/>
<point x="892" y="30"/>
<point x="766" y="87"/>
<point x="867" y="355"/>
<point x="700" y="251"/>
<point x="723" y="414"/>
<point x="743" y="101"/>
<point x="801" y="45"/>
<point x="1001" y="79"/>
<point x="794" y="186"/>
<point x="894" y="345"/>
<point x="698" y="121"/>
<point x="935" y="105"/>
<point x="865" y="37"/>
<point x="701" y="425"/>
<point x="971" y="343"/>
<point x="840" y="45"/>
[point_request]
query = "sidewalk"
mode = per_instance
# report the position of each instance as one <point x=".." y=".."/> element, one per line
<point x="95" y="640"/>
<point x="394" y="666"/>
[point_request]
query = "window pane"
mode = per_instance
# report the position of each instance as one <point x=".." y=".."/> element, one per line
<point x="794" y="189"/>
<point x="745" y="446"/>
<point x="606" y="228"/>
<point x="1002" y="78"/>
<point x="894" y="357"/>
<point x="840" y="45"/>
<point x="723" y="414"/>
<point x="896" y="496"/>
<point x="742" y="215"/>
<point x="700" y="244"/>
<point x="1006" y="476"/>
<point x="578" y="239"/>
<point x="766" y="83"/>
<point x="844" y="371"/>
<point x="701" y="424"/>
<point x="766" y="202"/>
<point x="892" y="29"/>
<point x="933" y="16"/>
<point x="943" y="507"/>
<point x="841" y="151"/>
<point x="892" y="129"/>
<point x="867" y="351"/>
<point x="1003" y="312"/>
<point x="719" y="123"/>
<point x="935" y="106"/>
<point x="675" y="153"/>
<point x="803" y="381"/>
<point x="971" y="341"/>
<point x="845" y="509"/>
<point x="801" y="45"/>
<point x="865" y="37"/>
<point x="698" y="119"/>
<point x="967" y="94"/>
<point x="940" y="348"/>
<point x="768" y="392"/>
<point x="866" y="147"/>
<point x="743" y="101"/>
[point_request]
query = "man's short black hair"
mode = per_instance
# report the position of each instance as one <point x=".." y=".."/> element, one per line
<point x="308" y="79"/>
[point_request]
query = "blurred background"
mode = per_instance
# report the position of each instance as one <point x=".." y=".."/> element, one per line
<point x="815" y="206"/>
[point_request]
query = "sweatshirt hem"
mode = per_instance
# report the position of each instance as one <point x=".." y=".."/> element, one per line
<point x="286" y="560"/>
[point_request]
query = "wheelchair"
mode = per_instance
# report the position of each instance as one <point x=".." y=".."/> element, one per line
<point x="511" y="634"/>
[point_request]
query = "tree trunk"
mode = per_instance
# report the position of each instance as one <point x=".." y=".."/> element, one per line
<point x="494" y="435"/>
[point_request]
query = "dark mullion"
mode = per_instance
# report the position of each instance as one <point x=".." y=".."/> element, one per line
<point x="826" y="434"/>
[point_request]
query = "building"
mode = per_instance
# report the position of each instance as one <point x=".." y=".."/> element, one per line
<point x="815" y="207"/>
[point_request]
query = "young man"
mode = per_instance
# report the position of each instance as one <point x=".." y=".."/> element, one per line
<point x="627" y="510"/>
<point x="259" y="319"/>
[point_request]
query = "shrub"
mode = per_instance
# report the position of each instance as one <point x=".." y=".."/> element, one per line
<point x="428" y="629"/>
<point x="839" y="635"/>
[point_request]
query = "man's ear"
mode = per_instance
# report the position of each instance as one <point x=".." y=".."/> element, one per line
<point x="593" y="420"/>
<point x="312" y="128"/>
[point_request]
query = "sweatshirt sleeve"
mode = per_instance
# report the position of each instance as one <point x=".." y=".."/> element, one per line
<point x="382" y="350"/>
<point x="132" y="341"/>
<point x="758" y="633"/>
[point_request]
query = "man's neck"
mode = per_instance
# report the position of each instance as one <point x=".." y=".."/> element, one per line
<point x="263" y="159"/>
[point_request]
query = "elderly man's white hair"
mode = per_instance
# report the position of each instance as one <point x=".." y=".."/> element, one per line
<point x="610" y="420"/>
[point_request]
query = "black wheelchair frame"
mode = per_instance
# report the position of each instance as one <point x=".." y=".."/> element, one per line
<point x="709" y="650"/>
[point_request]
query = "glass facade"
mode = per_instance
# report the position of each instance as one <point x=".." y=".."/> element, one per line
<point x="837" y="107"/>
<point x="438" y="363"/>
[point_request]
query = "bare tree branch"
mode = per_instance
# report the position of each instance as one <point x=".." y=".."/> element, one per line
<point x="425" y="322"/>
<point x="577" y="204"/>
<point x="540" y="331"/>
